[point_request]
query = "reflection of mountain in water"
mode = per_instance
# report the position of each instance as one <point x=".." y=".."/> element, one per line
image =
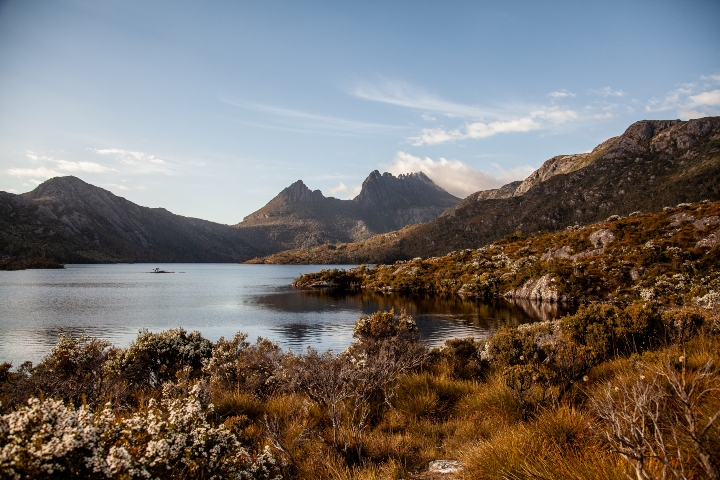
<point x="438" y="317"/>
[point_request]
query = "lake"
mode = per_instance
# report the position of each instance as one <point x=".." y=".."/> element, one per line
<point x="113" y="302"/>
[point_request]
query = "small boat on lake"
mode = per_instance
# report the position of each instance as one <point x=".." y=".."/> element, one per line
<point x="157" y="270"/>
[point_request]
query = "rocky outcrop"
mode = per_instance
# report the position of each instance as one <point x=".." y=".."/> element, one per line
<point x="539" y="290"/>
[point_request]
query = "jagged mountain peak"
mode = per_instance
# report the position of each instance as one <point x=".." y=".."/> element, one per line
<point x="387" y="190"/>
<point x="299" y="192"/>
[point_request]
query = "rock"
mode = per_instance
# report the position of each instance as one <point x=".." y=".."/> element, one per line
<point x="710" y="241"/>
<point x="679" y="218"/>
<point x="706" y="221"/>
<point x="540" y="290"/>
<point x="600" y="238"/>
<point x="441" y="469"/>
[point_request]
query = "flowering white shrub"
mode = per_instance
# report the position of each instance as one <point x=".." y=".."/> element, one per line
<point x="169" y="439"/>
<point x="711" y="300"/>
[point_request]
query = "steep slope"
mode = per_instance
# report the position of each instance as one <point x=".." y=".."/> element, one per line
<point x="652" y="165"/>
<point x="72" y="221"/>
<point x="300" y="218"/>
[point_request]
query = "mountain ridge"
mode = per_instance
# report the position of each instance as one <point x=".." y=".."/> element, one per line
<point x="654" y="163"/>
<point x="72" y="221"/>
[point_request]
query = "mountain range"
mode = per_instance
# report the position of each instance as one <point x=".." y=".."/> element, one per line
<point x="71" y="221"/>
<point x="653" y="164"/>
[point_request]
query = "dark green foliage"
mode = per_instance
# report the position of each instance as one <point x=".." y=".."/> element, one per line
<point x="608" y="330"/>
<point x="464" y="357"/>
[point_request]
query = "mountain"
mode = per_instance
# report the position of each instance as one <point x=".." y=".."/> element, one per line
<point x="653" y="164"/>
<point x="72" y="221"/>
<point x="300" y="218"/>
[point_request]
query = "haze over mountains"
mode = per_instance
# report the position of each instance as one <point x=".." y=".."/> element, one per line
<point x="74" y="222"/>
<point x="652" y="165"/>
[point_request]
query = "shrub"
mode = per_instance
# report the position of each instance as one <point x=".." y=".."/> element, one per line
<point x="172" y="439"/>
<point x="153" y="358"/>
<point x="238" y="366"/>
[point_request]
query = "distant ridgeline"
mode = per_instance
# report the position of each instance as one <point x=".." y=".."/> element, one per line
<point x="67" y="220"/>
<point x="654" y="164"/>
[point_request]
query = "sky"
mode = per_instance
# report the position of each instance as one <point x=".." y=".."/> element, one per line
<point x="209" y="109"/>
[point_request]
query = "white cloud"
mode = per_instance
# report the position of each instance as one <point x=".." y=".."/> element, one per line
<point x="433" y="136"/>
<point x="117" y="185"/>
<point x="704" y="99"/>
<point x="555" y="114"/>
<point x="57" y="168"/>
<point x="456" y="177"/>
<point x="39" y="172"/>
<point x="607" y="92"/>
<point x="91" y="167"/>
<point x="343" y="191"/>
<point x="690" y="100"/>
<point x="562" y="93"/>
<point x="139" y="162"/>
<point x="482" y="130"/>
<point x="428" y="118"/>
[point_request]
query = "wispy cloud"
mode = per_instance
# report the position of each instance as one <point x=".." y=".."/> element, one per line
<point x="54" y="167"/>
<point x="534" y="121"/>
<point x="562" y="93"/>
<point x="138" y="162"/>
<point x="39" y="172"/>
<point x="691" y="100"/>
<point x="117" y="185"/>
<point x="481" y="121"/>
<point x="405" y="95"/>
<point x="313" y="123"/>
<point x="455" y="176"/>
<point x="607" y="92"/>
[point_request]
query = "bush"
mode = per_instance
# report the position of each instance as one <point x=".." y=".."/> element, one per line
<point x="238" y="366"/>
<point x="607" y="331"/>
<point x="172" y="439"/>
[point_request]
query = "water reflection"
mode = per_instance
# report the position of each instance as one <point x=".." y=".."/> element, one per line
<point x="438" y="317"/>
<point x="113" y="302"/>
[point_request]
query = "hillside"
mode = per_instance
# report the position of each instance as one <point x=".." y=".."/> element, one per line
<point x="300" y="218"/>
<point x="670" y="257"/>
<point x="72" y="221"/>
<point x="653" y="164"/>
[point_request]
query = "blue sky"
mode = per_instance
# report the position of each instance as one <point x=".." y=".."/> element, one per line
<point x="209" y="109"/>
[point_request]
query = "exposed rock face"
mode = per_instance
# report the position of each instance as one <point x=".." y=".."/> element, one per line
<point x="540" y="290"/>
<point x="300" y="218"/>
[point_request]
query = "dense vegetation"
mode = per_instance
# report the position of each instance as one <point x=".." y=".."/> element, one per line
<point x="671" y="257"/>
<point x="605" y="392"/>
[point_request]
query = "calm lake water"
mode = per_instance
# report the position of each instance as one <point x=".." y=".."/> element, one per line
<point x="115" y="301"/>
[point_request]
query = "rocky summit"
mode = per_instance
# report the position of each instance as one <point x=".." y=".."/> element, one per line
<point x="653" y="164"/>
<point x="301" y="218"/>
